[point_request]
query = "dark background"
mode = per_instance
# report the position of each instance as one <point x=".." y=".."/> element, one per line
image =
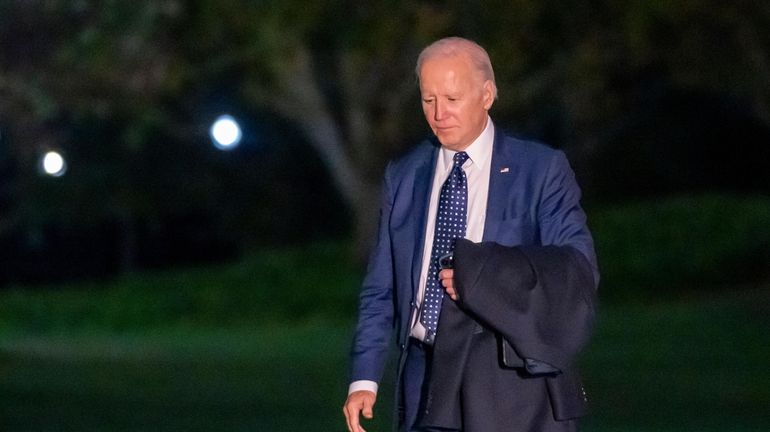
<point x="159" y="257"/>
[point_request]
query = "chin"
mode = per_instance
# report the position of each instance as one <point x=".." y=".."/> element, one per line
<point x="452" y="144"/>
<point x="447" y="140"/>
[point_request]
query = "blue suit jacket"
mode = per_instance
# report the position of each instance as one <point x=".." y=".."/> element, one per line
<point x="533" y="200"/>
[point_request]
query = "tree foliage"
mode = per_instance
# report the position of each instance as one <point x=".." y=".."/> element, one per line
<point x="342" y="73"/>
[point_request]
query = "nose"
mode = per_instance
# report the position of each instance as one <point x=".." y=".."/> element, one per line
<point x="438" y="111"/>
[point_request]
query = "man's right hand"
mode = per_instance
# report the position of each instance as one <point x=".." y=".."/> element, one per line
<point x="361" y="401"/>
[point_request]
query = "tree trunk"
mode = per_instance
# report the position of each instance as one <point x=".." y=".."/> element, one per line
<point x="304" y="103"/>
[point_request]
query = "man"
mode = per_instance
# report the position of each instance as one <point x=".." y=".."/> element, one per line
<point x="480" y="185"/>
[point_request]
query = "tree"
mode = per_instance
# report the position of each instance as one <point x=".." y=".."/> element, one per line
<point x="342" y="72"/>
<point x="340" y="80"/>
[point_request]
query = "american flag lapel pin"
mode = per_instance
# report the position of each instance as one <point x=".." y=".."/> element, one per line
<point x="504" y="170"/>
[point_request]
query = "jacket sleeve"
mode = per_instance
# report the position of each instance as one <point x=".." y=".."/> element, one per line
<point x="560" y="217"/>
<point x="375" y="313"/>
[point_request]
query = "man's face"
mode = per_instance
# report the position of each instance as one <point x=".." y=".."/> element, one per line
<point x="455" y="100"/>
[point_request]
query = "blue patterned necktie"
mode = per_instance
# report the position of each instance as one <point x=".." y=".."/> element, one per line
<point x="450" y="225"/>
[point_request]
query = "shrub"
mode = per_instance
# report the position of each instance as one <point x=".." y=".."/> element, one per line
<point x="680" y="244"/>
<point x="271" y="286"/>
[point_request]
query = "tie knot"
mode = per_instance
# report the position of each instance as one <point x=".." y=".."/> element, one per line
<point x="460" y="158"/>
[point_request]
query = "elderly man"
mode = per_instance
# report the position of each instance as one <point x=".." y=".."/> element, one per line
<point x="489" y="229"/>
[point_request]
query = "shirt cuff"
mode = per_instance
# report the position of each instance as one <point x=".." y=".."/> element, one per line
<point x="363" y="385"/>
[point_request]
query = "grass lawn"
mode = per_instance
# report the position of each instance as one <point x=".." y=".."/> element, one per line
<point x="699" y="365"/>
<point x="696" y="365"/>
<point x="260" y="379"/>
<point x="262" y="345"/>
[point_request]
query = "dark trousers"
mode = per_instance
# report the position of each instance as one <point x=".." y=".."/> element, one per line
<point x="414" y="383"/>
<point x="498" y="399"/>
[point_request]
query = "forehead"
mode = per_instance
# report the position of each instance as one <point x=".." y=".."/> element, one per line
<point x="455" y="70"/>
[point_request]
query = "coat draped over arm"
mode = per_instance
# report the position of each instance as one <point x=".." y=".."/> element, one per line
<point x="540" y="301"/>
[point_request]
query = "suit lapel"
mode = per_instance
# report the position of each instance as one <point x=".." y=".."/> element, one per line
<point x="502" y="173"/>
<point x="423" y="180"/>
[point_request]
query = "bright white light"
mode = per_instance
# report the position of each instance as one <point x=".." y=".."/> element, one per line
<point x="54" y="164"/>
<point x="226" y="133"/>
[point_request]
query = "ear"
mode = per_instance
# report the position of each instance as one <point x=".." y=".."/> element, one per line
<point x="489" y="94"/>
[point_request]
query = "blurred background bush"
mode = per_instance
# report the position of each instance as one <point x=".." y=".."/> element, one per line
<point x="682" y="246"/>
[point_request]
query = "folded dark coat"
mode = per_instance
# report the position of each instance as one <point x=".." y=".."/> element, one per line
<point x="539" y="301"/>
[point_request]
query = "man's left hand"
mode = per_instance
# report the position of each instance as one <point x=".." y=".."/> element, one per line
<point x="446" y="277"/>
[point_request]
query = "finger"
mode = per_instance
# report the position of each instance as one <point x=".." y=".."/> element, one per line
<point x="355" y="423"/>
<point x="451" y="292"/>
<point x="351" y="417"/>
<point x="368" y="411"/>
<point x="347" y="417"/>
<point x="352" y="410"/>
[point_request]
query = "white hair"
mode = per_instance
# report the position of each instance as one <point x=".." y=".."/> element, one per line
<point x="457" y="46"/>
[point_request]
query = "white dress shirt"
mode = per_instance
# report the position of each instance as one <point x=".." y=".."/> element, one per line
<point x="477" y="170"/>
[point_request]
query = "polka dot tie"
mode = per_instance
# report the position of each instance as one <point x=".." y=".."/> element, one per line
<point x="450" y="225"/>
